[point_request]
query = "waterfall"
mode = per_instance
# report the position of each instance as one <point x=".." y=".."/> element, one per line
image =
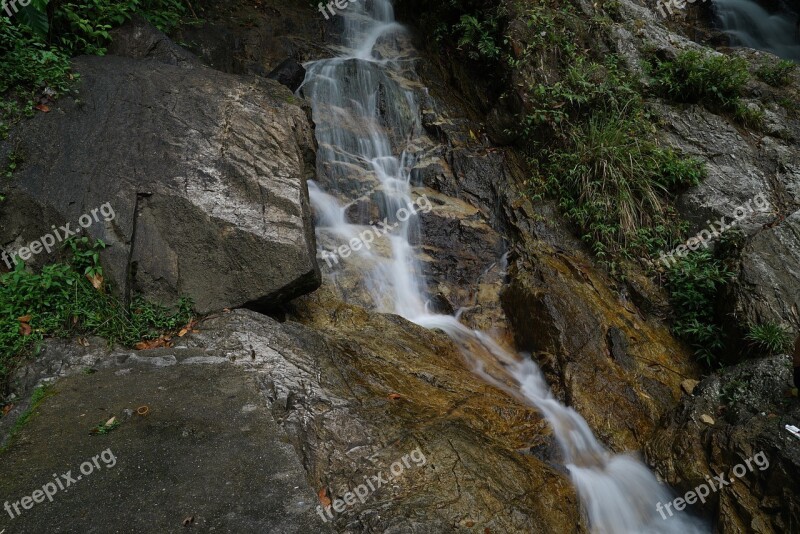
<point x="368" y="131"/>
<point x="748" y="24"/>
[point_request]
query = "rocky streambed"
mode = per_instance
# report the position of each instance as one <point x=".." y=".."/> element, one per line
<point x="206" y="160"/>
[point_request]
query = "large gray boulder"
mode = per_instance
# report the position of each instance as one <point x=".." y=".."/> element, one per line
<point x="728" y="420"/>
<point x="205" y="174"/>
<point x="760" y="167"/>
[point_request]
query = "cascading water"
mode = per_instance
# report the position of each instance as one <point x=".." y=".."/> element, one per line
<point x="749" y="24"/>
<point x="368" y="130"/>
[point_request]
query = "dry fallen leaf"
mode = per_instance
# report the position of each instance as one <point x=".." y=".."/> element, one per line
<point x="323" y="498"/>
<point x="24" y="319"/>
<point x="188" y="521"/>
<point x="96" y="280"/>
<point x="7" y="408"/>
<point x="395" y="396"/>
<point x="183" y="332"/>
<point x="42" y="108"/>
<point x="24" y="329"/>
<point x="163" y="341"/>
<point x="111" y="421"/>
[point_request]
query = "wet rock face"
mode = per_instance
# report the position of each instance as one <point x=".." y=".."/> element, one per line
<point x="600" y="353"/>
<point x="768" y="288"/>
<point x="593" y="345"/>
<point x="760" y="172"/>
<point x="730" y="419"/>
<point x="205" y="173"/>
<point x="356" y="392"/>
<point x="380" y="387"/>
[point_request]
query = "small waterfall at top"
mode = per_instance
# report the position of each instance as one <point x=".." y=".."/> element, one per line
<point x="749" y="24"/>
<point x="368" y="122"/>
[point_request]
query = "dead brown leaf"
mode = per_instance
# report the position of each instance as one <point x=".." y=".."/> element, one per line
<point x="24" y="319"/>
<point x="323" y="497"/>
<point x="149" y="344"/>
<point x="7" y="408"/>
<point x="96" y="280"/>
<point x="42" y="108"/>
<point x="25" y="329"/>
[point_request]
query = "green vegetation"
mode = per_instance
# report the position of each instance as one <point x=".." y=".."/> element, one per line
<point x="473" y="26"/>
<point x="770" y="338"/>
<point x="714" y="80"/>
<point x="591" y="139"/>
<point x="733" y="392"/>
<point x="478" y="37"/>
<point x="777" y="74"/>
<point x="62" y="301"/>
<point x="593" y="148"/>
<point x="38" y="396"/>
<point x="693" y="284"/>
<point x="105" y="428"/>
<point x="37" y="43"/>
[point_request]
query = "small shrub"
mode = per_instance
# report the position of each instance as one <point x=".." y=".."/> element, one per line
<point x="60" y="301"/>
<point x="777" y="74"/>
<point x="770" y="338"/>
<point x="715" y="80"/>
<point x="478" y="37"/>
<point x="27" y="63"/>
<point x="693" y="284"/>
<point x="752" y="117"/>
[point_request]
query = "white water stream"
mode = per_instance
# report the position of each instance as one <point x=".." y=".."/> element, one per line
<point x="748" y="24"/>
<point x="367" y="118"/>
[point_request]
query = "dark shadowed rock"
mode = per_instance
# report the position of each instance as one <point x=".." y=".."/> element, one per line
<point x="140" y="40"/>
<point x="749" y="409"/>
<point x="289" y="73"/>
<point x="205" y="172"/>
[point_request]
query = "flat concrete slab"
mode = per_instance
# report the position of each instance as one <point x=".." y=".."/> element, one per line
<point x="208" y="453"/>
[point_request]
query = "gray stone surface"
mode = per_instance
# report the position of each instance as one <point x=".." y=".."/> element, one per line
<point x="208" y="450"/>
<point x="205" y="173"/>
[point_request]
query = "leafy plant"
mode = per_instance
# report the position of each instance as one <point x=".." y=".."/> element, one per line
<point x="750" y="116"/>
<point x="478" y="37"/>
<point x="104" y="428"/>
<point x="770" y="338"/>
<point x="692" y="76"/>
<point x="60" y="301"/>
<point x="777" y="74"/>
<point x="693" y="283"/>
<point x="14" y="161"/>
<point x="733" y="392"/>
